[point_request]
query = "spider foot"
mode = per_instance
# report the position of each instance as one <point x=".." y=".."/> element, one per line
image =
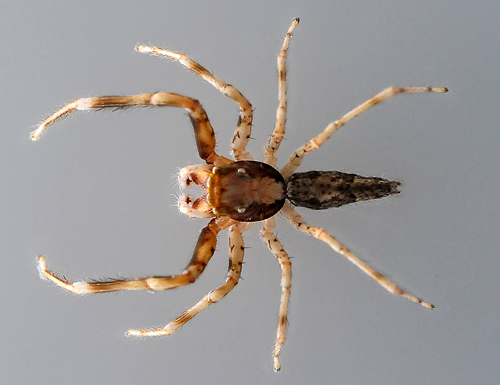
<point x="46" y="274"/>
<point x="147" y="332"/>
<point x="42" y="267"/>
<point x="417" y="300"/>
<point x="277" y="365"/>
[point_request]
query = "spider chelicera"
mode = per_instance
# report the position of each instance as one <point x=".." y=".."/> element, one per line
<point x="239" y="192"/>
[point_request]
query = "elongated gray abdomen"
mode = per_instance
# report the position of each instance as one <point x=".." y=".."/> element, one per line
<point x="320" y="190"/>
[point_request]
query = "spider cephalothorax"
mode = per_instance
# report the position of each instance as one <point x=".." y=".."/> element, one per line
<point x="246" y="191"/>
<point x="240" y="191"/>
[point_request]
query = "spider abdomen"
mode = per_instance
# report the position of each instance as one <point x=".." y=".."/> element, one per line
<point x="320" y="190"/>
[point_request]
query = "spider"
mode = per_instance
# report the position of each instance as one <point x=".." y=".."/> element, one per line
<point x="238" y="192"/>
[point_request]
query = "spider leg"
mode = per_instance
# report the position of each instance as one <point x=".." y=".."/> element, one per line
<point x="204" y="250"/>
<point x="203" y="131"/>
<point x="319" y="233"/>
<point x="274" y="141"/>
<point x="244" y="126"/>
<point x="276" y="248"/>
<point x="236" y="251"/>
<point x="296" y="158"/>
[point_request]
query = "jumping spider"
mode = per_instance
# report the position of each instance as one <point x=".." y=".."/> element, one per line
<point x="241" y="191"/>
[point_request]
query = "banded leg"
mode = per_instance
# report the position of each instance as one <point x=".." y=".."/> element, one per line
<point x="276" y="248"/>
<point x="236" y="251"/>
<point x="203" y="131"/>
<point x="274" y="141"/>
<point x="296" y="158"/>
<point x="244" y="127"/>
<point x="204" y="250"/>
<point x="318" y="233"/>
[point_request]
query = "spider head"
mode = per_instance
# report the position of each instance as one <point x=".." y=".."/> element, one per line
<point x="246" y="191"/>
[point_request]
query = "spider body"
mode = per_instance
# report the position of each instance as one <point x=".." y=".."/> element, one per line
<point x="252" y="191"/>
<point x="240" y="191"/>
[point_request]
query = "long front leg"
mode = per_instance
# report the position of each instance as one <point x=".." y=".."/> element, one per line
<point x="274" y="141"/>
<point x="236" y="252"/>
<point x="204" y="133"/>
<point x="204" y="250"/>
<point x="276" y="248"/>
<point x="298" y="222"/>
<point x="296" y="158"/>
<point x="244" y="127"/>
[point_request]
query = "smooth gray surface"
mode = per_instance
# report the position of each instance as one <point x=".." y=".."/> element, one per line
<point x="97" y="197"/>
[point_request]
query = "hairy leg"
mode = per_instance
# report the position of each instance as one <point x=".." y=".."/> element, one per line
<point x="279" y="130"/>
<point x="276" y="248"/>
<point x="298" y="222"/>
<point x="203" y="131"/>
<point x="296" y="159"/>
<point x="236" y="252"/>
<point x="204" y="250"/>
<point x="244" y="126"/>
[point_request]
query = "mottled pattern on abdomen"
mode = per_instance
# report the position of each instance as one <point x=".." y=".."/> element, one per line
<point x="320" y="190"/>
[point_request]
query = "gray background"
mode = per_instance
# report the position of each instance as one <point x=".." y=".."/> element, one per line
<point x="97" y="193"/>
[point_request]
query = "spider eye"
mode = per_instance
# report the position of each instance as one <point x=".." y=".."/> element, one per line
<point x="241" y="171"/>
<point x="241" y="210"/>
